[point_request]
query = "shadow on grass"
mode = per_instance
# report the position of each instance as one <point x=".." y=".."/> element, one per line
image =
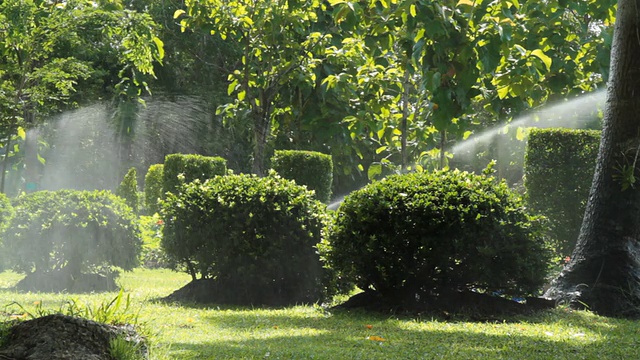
<point x="345" y="335"/>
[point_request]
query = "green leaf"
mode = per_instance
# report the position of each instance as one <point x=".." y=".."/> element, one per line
<point x="381" y="149"/>
<point x="412" y="10"/>
<point x="241" y="95"/>
<point x="160" y="46"/>
<point x="21" y="133"/>
<point x="542" y="56"/>
<point x="521" y="133"/>
<point x="466" y="135"/>
<point x="41" y="159"/>
<point x="503" y="92"/>
<point x="177" y="13"/>
<point x="465" y="2"/>
<point x="232" y="87"/>
<point x="374" y="169"/>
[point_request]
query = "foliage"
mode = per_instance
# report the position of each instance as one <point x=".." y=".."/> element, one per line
<point x="558" y="173"/>
<point x="128" y="189"/>
<point x="418" y="74"/>
<point x="184" y="168"/>
<point x="309" y="168"/>
<point x="152" y="255"/>
<point x="75" y="231"/>
<point x="153" y="188"/>
<point x="424" y="232"/>
<point x="278" y="43"/>
<point x="78" y="39"/>
<point x="122" y="349"/>
<point x="117" y="311"/>
<point x="254" y="236"/>
<point x="6" y="214"/>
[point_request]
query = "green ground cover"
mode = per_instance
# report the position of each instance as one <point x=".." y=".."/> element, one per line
<point x="179" y="331"/>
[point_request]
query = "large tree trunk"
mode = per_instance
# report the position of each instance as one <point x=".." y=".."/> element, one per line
<point x="604" y="271"/>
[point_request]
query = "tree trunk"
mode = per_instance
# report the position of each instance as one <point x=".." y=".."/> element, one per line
<point x="5" y="165"/>
<point x="604" y="271"/>
<point x="261" y="130"/>
<point x="405" y="115"/>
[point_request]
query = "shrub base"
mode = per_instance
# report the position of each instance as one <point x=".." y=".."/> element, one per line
<point x="62" y="281"/>
<point x="467" y="304"/>
<point x="212" y="291"/>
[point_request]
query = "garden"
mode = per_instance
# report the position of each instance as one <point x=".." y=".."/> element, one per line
<point x="375" y="179"/>
<point x="205" y="263"/>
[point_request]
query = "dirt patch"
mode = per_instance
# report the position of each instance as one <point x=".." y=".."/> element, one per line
<point x="61" y="337"/>
<point x="211" y="291"/>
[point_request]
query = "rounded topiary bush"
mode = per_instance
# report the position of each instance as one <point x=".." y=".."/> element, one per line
<point x="446" y="230"/>
<point x="255" y="238"/>
<point x="184" y="168"/>
<point x="59" y="238"/>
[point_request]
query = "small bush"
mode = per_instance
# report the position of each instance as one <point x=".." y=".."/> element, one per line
<point x="6" y="214"/>
<point x="559" y="167"/>
<point x="181" y="168"/>
<point x="152" y="255"/>
<point x="309" y="168"/>
<point x="71" y="233"/>
<point x="255" y="236"/>
<point x="153" y="188"/>
<point x="447" y="230"/>
<point x="128" y="189"/>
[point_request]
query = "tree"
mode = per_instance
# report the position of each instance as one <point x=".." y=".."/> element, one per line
<point x="462" y="57"/>
<point x="49" y="47"/>
<point x="278" y="43"/>
<point x="604" y="271"/>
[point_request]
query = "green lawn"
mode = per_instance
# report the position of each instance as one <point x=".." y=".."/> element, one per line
<point x="307" y="332"/>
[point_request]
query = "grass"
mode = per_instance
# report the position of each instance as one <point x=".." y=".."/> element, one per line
<point x="179" y="331"/>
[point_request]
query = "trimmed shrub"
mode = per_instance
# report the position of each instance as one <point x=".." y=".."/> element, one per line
<point x="422" y="233"/>
<point x="153" y="188"/>
<point x="255" y="236"/>
<point x="71" y="233"/>
<point x="559" y="166"/>
<point x="184" y="168"/>
<point x="128" y="189"/>
<point x="310" y="168"/>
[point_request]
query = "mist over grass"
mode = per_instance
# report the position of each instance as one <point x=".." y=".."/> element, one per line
<point x="179" y="331"/>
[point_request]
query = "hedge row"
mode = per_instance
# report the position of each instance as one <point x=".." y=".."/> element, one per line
<point x="309" y="168"/>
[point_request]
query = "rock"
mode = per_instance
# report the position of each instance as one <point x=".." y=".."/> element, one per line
<point x="62" y="337"/>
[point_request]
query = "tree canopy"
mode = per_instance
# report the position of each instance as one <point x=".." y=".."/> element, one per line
<point x="381" y="85"/>
<point x="49" y="48"/>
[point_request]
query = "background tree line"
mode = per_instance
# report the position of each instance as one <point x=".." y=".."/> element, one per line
<point x="379" y="85"/>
